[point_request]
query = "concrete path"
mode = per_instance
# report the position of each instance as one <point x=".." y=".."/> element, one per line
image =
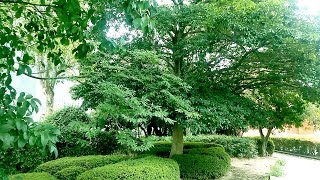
<point x="297" y="168"/>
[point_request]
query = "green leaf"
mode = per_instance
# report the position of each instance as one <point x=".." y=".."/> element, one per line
<point x="29" y="70"/>
<point x="19" y="124"/>
<point x="21" y="142"/>
<point x="44" y="139"/>
<point x="8" y="80"/>
<point x="7" y="140"/>
<point x="28" y="96"/>
<point x="22" y="111"/>
<point x="28" y="119"/>
<point x="137" y="22"/>
<point x="37" y="100"/>
<point x="20" y="70"/>
<point x="32" y="140"/>
<point x="21" y="97"/>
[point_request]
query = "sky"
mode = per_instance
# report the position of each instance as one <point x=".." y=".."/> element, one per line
<point x="311" y="7"/>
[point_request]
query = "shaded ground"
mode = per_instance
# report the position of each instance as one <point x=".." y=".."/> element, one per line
<point x="250" y="169"/>
<point x="297" y="168"/>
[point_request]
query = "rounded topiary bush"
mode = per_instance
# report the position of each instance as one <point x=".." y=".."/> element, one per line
<point x="203" y="163"/>
<point x="150" y="167"/>
<point x="214" y="151"/>
<point x="65" y="116"/>
<point x="70" y="173"/>
<point x="32" y="176"/>
<point x="87" y="162"/>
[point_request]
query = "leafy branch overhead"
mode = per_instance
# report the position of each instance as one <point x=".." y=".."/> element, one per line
<point x="47" y="26"/>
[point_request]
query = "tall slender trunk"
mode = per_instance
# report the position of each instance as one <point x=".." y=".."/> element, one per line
<point x="264" y="141"/>
<point x="49" y="93"/>
<point x="47" y="70"/>
<point x="177" y="139"/>
<point x="178" y="129"/>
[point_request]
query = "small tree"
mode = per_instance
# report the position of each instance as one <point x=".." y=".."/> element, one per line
<point x="312" y="115"/>
<point x="280" y="108"/>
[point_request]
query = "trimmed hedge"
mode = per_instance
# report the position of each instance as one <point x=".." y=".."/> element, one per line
<point x="144" y="168"/>
<point x="214" y="151"/>
<point x="208" y="164"/>
<point x="163" y="148"/>
<point x="242" y="147"/>
<point x="297" y="146"/>
<point x="70" y="173"/>
<point x="32" y="176"/>
<point x="87" y="162"/>
<point x="234" y="146"/>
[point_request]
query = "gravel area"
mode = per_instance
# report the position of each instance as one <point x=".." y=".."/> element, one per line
<point x="297" y="168"/>
<point x="250" y="169"/>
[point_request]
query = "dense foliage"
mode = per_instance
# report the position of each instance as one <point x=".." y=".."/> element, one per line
<point x="297" y="146"/>
<point x="81" y="142"/>
<point x="63" y="117"/>
<point x="132" y="89"/>
<point x="32" y="176"/>
<point x="226" y="57"/>
<point x="47" y="26"/>
<point x="70" y="173"/>
<point x="143" y="168"/>
<point x="22" y="160"/>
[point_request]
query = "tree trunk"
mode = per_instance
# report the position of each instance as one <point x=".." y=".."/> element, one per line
<point x="177" y="140"/>
<point x="264" y="141"/>
<point x="47" y="70"/>
<point x="49" y="93"/>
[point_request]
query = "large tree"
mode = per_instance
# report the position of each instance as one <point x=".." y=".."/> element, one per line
<point x="224" y="50"/>
<point x="238" y="45"/>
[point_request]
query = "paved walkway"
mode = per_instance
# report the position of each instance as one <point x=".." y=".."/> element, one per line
<point x="297" y="168"/>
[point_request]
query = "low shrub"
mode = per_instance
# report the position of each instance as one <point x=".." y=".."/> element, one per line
<point x="242" y="147"/>
<point x="22" y="160"/>
<point x="197" y="166"/>
<point x="87" y="162"/>
<point x="32" y="176"/>
<point x="214" y="151"/>
<point x="162" y="148"/>
<point x="234" y="146"/>
<point x="144" y="168"/>
<point x="83" y="142"/>
<point x="277" y="169"/>
<point x="65" y="116"/>
<point x="297" y="146"/>
<point x="70" y="173"/>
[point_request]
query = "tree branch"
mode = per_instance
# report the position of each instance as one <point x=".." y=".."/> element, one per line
<point x="54" y="78"/>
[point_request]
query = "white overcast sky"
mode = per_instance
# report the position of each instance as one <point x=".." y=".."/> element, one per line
<point x="310" y="6"/>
